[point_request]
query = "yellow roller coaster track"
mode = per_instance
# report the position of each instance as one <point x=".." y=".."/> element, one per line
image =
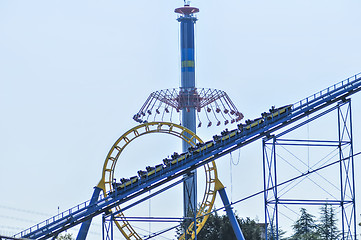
<point x="158" y="127"/>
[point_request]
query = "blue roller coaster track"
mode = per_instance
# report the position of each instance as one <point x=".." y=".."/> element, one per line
<point x="222" y="145"/>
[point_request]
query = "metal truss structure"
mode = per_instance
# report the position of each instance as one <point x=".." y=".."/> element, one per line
<point x="191" y="224"/>
<point x="272" y="126"/>
<point x="163" y="105"/>
<point x="278" y="194"/>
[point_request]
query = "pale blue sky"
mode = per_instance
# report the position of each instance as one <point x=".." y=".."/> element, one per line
<point x="73" y="73"/>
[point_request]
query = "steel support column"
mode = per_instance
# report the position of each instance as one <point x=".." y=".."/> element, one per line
<point x="270" y="189"/>
<point x="83" y="232"/>
<point x="347" y="181"/>
<point x="232" y="218"/>
<point x="107" y="227"/>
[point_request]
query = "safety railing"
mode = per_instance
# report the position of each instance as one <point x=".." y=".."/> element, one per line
<point x="347" y="84"/>
<point x="63" y="216"/>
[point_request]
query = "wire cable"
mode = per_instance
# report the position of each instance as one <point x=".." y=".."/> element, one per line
<point x="280" y="184"/>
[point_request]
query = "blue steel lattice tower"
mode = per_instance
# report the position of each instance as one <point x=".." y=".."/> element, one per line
<point x="188" y="97"/>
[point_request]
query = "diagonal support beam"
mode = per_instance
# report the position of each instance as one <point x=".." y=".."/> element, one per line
<point x="83" y="231"/>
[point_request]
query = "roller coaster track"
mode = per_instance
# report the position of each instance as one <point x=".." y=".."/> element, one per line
<point x="85" y="211"/>
<point x="107" y="182"/>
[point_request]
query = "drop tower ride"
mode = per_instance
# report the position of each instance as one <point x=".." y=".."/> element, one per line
<point x="189" y="101"/>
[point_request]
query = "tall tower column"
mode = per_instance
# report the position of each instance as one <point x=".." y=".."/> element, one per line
<point x="188" y="97"/>
<point x="189" y="101"/>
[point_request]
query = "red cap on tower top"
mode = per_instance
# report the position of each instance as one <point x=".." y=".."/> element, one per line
<point x="186" y="10"/>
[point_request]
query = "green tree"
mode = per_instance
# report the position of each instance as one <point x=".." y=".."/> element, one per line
<point x="305" y="227"/>
<point x="211" y="230"/>
<point x="218" y="227"/>
<point x="65" y="236"/>
<point x="250" y="228"/>
<point x="271" y="232"/>
<point x="327" y="228"/>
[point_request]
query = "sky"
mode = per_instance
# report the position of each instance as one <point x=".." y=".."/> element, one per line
<point x="73" y="74"/>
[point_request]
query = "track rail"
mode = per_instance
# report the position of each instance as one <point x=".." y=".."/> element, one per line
<point x="107" y="181"/>
<point x="82" y="212"/>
